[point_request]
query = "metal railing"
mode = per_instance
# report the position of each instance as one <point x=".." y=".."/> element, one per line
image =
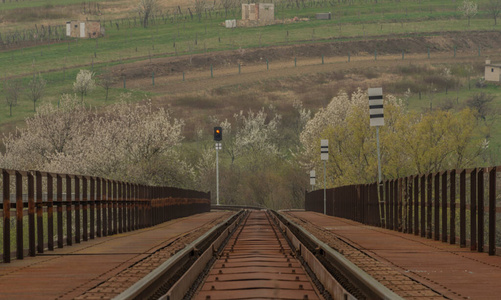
<point x="451" y="206"/>
<point x="90" y="207"/>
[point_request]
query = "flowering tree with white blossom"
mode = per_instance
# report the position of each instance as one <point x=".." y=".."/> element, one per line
<point x="469" y="9"/>
<point x="84" y="83"/>
<point x="127" y="141"/>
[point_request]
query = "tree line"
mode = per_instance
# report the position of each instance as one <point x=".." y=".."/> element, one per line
<point x="265" y="158"/>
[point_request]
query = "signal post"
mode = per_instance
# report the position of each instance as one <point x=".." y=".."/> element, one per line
<point x="218" y="136"/>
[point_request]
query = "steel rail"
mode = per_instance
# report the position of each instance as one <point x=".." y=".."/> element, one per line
<point x="149" y="284"/>
<point x="235" y="207"/>
<point x="187" y="281"/>
<point x="359" y="278"/>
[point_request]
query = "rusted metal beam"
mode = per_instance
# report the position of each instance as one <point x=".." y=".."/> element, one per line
<point x="473" y="210"/>
<point x="429" y="204"/>
<point x="119" y="201"/>
<point x="423" y="206"/>
<point x="39" y="212"/>
<point x="93" y="209"/>
<point x="416" y="205"/>
<point x="6" y="216"/>
<point x="436" y="222"/>
<point x="19" y="216"/>
<point x="99" y="208"/>
<point x="69" y="210"/>
<point x="444" y="207"/>
<point x="452" y="215"/>
<point x="109" y="206"/>
<point x="480" y="216"/>
<point x="85" y="208"/>
<point x="59" y="187"/>
<point x="50" y="211"/>
<point x="31" y="215"/>
<point x="77" y="210"/>
<point x="492" y="211"/>
<point x="462" y="209"/>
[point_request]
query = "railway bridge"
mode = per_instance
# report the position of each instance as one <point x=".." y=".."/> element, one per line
<point x="428" y="236"/>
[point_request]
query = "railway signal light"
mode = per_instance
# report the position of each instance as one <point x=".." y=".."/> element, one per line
<point x="218" y="133"/>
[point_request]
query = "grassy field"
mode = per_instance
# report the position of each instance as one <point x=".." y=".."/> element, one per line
<point x="171" y="35"/>
<point x="175" y="35"/>
<point x="187" y="37"/>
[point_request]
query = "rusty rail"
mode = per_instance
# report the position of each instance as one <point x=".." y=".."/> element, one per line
<point x="170" y="275"/>
<point x="91" y="207"/>
<point x="429" y="205"/>
<point x="332" y="265"/>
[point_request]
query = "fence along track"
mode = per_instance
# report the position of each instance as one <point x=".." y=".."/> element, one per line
<point x="91" y="207"/>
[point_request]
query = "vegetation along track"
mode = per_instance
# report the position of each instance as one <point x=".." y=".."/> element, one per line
<point x="255" y="255"/>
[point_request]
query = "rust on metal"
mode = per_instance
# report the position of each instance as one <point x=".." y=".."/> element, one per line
<point x="412" y="205"/>
<point x="473" y="210"/>
<point x="492" y="211"/>
<point x="444" y="207"/>
<point x="257" y="263"/>
<point x="6" y="216"/>
<point x="338" y="234"/>
<point x="452" y="217"/>
<point x="72" y="222"/>
<point x="39" y="208"/>
<point x="101" y="268"/>
<point x="481" y="208"/>
<point x="19" y="216"/>
<point x="69" y="208"/>
<point x="31" y="215"/>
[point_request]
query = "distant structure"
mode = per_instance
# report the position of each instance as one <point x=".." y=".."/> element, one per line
<point x="84" y="29"/>
<point x="492" y="71"/>
<point x="323" y="16"/>
<point x="258" y="13"/>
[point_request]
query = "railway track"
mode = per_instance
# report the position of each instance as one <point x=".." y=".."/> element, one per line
<point x="257" y="262"/>
<point x="257" y="254"/>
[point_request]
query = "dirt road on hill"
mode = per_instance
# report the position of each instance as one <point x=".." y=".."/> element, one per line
<point x="188" y="74"/>
<point x="196" y="81"/>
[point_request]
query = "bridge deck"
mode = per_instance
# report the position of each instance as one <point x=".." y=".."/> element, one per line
<point x="447" y="270"/>
<point x="83" y="270"/>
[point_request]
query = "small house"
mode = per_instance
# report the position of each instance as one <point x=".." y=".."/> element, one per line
<point x="259" y="12"/>
<point x="84" y="29"/>
<point x="492" y="71"/>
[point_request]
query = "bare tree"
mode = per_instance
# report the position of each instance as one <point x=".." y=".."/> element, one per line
<point x="481" y="102"/>
<point x="227" y="5"/>
<point x="199" y="8"/>
<point x="494" y="9"/>
<point x="37" y="87"/>
<point x="146" y="9"/>
<point x="106" y="81"/>
<point x="469" y="9"/>
<point x="12" y="91"/>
